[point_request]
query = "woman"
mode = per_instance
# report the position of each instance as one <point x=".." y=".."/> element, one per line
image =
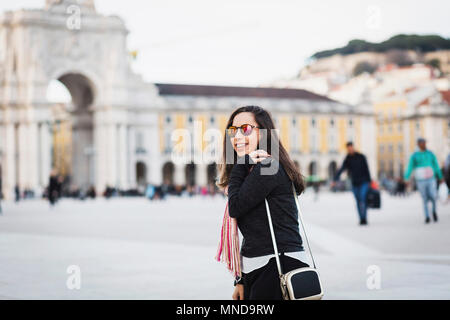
<point x="243" y="179"/>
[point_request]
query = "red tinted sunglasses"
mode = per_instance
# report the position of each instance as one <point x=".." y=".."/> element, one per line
<point x="246" y="130"/>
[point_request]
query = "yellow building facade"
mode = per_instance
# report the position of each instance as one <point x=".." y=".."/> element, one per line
<point x="313" y="131"/>
<point x="403" y="118"/>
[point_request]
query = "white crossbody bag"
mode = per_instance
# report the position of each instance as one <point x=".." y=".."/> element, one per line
<point x="302" y="283"/>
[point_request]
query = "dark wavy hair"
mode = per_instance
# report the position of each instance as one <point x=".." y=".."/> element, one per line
<point x="264" y="121"/>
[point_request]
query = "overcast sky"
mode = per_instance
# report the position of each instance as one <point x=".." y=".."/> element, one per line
<point x="252" y="42"/>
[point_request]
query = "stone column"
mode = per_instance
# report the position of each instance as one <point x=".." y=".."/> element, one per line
<point x="45" y="154"/>
<point x="22" y="156"/>
<point x="9" y="163"/>
<point x="131" y="147"/>
<point x="179" y="175"/>
<point x="201" y="174"/>
<point x="111" y="160"/>
<point x="28" y="156"/>
<point x="324" y="162"/>
<point x="154" y="173"/>
<point x="101" y="160"/>
<point x="33" y="156"/>
<point x="122" y="156"/>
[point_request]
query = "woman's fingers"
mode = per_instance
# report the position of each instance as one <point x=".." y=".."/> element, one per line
<point x="241" y="292"/>
<point x="238" y="293"/>
<point x="263" y="153"/>
<point x="259" y="155"/>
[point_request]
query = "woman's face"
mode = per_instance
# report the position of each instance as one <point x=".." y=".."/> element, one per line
<point x="245" y="144"/>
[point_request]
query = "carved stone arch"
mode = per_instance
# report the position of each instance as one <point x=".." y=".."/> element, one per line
<point x="92" y="79"/>
<point x="93" y="57"/>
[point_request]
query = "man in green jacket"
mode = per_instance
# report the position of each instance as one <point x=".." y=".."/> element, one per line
<point x="426" y="168"/>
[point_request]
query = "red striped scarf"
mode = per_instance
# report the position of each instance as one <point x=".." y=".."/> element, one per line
<point x="228" y="250"/>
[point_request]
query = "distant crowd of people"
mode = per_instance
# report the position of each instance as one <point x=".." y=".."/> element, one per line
<point x="155" y="192"/>
<point x="422" y="164"/>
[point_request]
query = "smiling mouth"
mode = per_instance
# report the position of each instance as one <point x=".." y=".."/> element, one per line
<point x="241" y="145"/>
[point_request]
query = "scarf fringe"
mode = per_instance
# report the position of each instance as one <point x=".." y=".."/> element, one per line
<point x="228" y="249"/>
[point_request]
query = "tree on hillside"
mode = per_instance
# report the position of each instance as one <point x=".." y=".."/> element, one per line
<point x="418" y="43"/>
<point x="435" y="63"/>
<point x="362" y="67"/>
<point x="399" y="57"/>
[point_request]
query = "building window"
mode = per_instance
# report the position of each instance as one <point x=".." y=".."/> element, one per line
<point x="381" y="149"/>
<point x="190" y="119"/>
<point x="211" y="120"/>
<point x="313" y="122"/>
<point x="350" y="123"/>
<point x="139" y="139"/>
<point x="332" y="122"/>
<point x="168" y="119"/>
<point x="140" y="143"/>
<point x="400" y="148"/>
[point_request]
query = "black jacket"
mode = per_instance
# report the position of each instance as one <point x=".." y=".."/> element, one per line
<point x="246" y="194"/>
<point x="357" y="168"/>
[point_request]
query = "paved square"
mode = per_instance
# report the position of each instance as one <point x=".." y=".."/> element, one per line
<point x="132" y="248"/>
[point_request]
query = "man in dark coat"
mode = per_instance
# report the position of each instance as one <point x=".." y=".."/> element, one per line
<point x="53" y="186"/>
<point x="356" y="165"/>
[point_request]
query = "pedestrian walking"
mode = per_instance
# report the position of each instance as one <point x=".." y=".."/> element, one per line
<point x="356" y="165"/>
<point x="426" y="169"/>
<point x="53" y="186"/>
<point x="59" y="187"/>
<point x="17" y="193"/>
<point x="247" y="187"/>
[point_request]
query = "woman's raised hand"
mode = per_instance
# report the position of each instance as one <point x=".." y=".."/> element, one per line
<point x="258" y="155"/>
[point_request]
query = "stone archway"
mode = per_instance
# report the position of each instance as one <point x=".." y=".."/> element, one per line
<point x="211" y="173"/>
<point x="190" y="174"/>
<point x="313" y="169"/>
<point x="168" y="171"/>
<point x="91" y="59"/>
<point x="332" y="169"/>
<point x="73" y="132"/>
<point x="141" y="173"/>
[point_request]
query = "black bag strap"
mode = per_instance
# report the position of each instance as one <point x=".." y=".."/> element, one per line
<point x="272" y="233"/>
<point x="300" y="216"/>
